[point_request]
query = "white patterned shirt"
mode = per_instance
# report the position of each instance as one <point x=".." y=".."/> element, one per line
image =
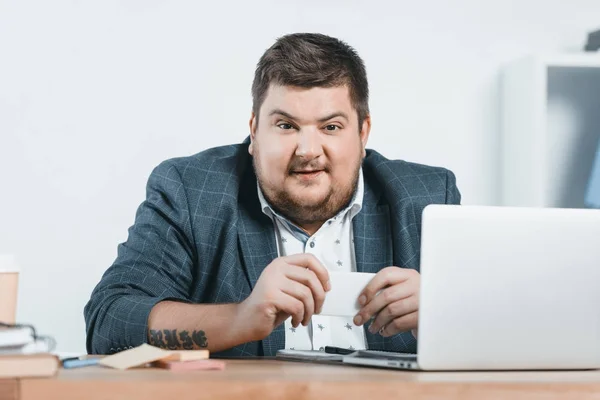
<point x="333" y="245"/>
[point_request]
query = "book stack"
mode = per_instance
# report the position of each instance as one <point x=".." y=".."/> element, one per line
<point x="23" y="355"/>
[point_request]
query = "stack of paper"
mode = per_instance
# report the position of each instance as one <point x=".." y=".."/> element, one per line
<point x="16" y="340"/>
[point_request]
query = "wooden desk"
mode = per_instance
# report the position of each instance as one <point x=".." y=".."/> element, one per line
<point x="270" y="379"/>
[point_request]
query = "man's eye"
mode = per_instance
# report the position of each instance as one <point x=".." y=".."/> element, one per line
<point x="332" y="128"/>
<point x="285" y="126"/>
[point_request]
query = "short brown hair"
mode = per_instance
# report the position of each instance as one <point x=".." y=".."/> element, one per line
<point x="312" y="60"/>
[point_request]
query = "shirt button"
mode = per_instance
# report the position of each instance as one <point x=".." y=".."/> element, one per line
<point x="312" y="244"/>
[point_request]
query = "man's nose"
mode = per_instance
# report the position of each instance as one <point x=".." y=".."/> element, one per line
<point x="309" y="143"/>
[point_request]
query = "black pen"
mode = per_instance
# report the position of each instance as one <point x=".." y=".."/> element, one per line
<point x="338" y="350"/>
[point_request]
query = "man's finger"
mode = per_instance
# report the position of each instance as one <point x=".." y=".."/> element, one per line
<point x="308" y="278"/>
<point x="383" y="299"/>
<point x="402" y="324"/>
<point x="386" y="277"/>
<point x="302" y="293"/>
<point x="290" y="306"/>
<point x="311" y="262"/>
<point x="392" y="311"/>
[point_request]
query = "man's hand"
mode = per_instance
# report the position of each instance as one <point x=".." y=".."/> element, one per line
<point x="290" y="286"/>
<point x="396" y="308"/>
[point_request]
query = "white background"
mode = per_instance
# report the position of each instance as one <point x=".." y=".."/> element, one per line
<point x="94" y="94"/>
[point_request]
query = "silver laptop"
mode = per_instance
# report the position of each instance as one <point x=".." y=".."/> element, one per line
<point x="505" y="289"/>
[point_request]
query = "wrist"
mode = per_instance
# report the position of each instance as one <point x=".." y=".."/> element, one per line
<point x="242" y="327"/>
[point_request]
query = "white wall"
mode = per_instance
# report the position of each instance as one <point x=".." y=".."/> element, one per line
<point x="93" y="95"/>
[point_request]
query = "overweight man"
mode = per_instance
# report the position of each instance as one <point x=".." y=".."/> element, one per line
<point x="232" y="248"/>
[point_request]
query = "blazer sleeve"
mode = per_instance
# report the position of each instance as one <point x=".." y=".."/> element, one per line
<point x="452" y="193"/>
<point x="154" y="264"/>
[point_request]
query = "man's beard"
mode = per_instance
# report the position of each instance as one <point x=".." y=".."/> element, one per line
<point x="301" y="213"/>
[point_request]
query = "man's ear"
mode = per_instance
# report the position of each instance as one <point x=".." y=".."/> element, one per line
<point x="253" y="125"/>
<point x="365" y="131"/>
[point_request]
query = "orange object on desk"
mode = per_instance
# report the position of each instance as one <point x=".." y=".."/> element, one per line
<point x="198" y="365"/>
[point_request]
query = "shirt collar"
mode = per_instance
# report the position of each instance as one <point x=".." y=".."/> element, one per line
<point x="353" y="207"/>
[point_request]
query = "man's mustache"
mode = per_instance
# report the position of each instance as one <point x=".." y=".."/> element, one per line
<point x="303" y="166"/>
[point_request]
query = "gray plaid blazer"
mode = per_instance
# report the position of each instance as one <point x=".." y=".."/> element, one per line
<point x="201" y="237"/>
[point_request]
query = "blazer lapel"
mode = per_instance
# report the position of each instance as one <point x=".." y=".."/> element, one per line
<point x="373" y="247"/>
<point x="372" y="234"/>
<point x="258" y="248"/>
<point x="257" y="242"/>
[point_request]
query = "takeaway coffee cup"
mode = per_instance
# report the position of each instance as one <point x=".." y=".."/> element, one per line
<point x="9" y="283"/>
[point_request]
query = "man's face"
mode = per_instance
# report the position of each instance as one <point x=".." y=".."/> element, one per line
<point x="307" y="150"/>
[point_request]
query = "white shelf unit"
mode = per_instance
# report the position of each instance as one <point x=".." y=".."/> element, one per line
<point x="550" y="129"/>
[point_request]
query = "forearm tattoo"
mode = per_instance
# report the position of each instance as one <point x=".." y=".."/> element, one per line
<point x="173" y="340"/>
